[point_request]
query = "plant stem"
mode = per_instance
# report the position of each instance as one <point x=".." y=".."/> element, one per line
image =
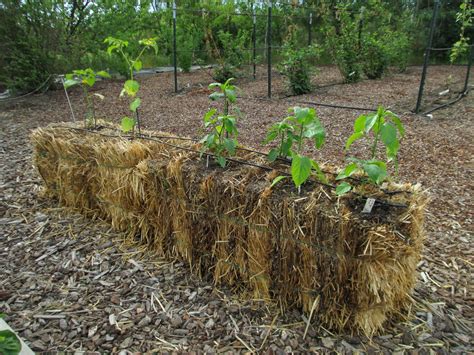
<point x="226" y="111"/>
<point x="281" y="144"/>
<point x="88" y="104"/>
<point x="376" y="133"/>
<point x="374" y="146"/>
<point x="138" y="121"/>
<point x="300" y="141"/>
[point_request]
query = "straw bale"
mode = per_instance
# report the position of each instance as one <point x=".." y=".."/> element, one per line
<point x="311" y="250"/>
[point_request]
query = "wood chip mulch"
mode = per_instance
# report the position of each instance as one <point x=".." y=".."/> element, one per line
<point x="71" y="284"/>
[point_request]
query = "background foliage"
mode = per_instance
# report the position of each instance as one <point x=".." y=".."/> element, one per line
<point x="363" y="37"/>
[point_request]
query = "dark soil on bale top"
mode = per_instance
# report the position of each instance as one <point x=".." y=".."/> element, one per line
<point x="69" y="283"/>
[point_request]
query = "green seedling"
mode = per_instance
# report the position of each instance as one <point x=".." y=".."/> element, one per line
<point x="131" y="86"/>
<point x="382" y="127"/>
<point x="222" y="138"/>
<point x="301" y="126"/>
<point x="86" y="79"/>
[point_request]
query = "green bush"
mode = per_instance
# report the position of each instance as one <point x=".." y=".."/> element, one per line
<point x="231" y="55"/>
<point x="374" y="59"/>
<point x="224" y="72"/>
<point x="185" y="54"/>
<point x="25" y="69"/>
<point x="398" y="50"/>
<point x="347" y="60"/>
<point x="297" y="68"/>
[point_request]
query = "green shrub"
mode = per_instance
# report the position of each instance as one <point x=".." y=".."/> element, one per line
<point x="224" y="72"/>
<point x="185" y="53"/>
<point x="397" y="49"/>
<point x="231" y="55"/>
<point x="297" y="68"/>
<point x="374" y="59"/>
<point x="347" y="60"/>
<point x="25" y="69"/>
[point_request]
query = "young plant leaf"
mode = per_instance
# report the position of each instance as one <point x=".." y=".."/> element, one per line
<point x="214" y="85"/>
<point x="271" y="135"/>
<point x="359" y="124"/>
<point x="319" y="173"/>
<point x="135" y="104"/>
<point x="286" y="147"/>
<point x="229" y="124"/>
<point x="348" y="171"/>
<point x="354" y="136"/>
<point x="277" y="180"/>
<point x="300" y="169"/>
<point x="103" y="74"/>
<point x="370" y="122"/>
<point x="343" y="188"/>
<point x="388" y="134"/>
<point x="315" y="131"/>
<point x="273" y="154"/>
<point x="231" y="95"/>
<point x="395" y="119"/>
<point x="89" y="80"/>
<point x="128" y="124"/>
<point x="216" y="95"/>
<point x="222" y="161"/>
<point x="376" y="170"/>
<point x="137" y="65"/>
<point x="70" y="82"/>
<point x="209" y="114"/>
<point x="131" y="87"/>
<point x="229" y="145"/>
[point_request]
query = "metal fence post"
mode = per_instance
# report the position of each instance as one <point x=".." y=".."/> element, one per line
<point x="175" y="61"/>
<point x="427" y="56"/>
<point x="254" y="42"/>
<point x="269" y="50"/>
<point x="310" y="25"/>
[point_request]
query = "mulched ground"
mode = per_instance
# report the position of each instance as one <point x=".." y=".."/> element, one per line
<point x="69" y="283"/>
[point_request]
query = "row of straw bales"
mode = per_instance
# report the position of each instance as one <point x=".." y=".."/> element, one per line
<point x="311" y="251"/>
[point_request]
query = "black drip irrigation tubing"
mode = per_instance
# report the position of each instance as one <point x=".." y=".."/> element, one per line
<point x="29" y="93"/>
<point x="336" y="106"/>
<point x="461" y="95"/>
<point x="242" y="162"/>
<point x="314" y="103"/>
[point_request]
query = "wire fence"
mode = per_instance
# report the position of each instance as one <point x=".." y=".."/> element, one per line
<point x="266" y="62"/>
<point x="261" y="52"/>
